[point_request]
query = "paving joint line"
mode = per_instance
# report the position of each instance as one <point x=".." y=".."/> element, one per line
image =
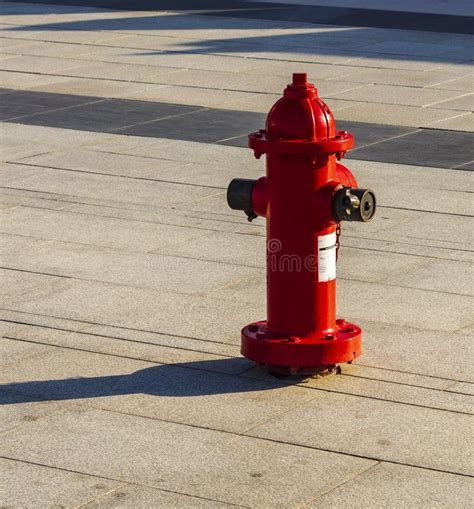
<point x="282" y="384"/>
<point x="303" y="446"/>
<point x="350" y="479"/>
<point x="101" y="496"/>
<point x="132" y="483"/>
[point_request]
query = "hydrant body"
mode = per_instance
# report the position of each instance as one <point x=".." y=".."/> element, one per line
<point x="303" y="197"/>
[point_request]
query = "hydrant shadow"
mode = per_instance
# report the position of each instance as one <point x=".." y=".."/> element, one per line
<point x="170" y="380"/>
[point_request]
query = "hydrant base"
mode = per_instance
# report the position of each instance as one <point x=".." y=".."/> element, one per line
<point x="301" y="355"/>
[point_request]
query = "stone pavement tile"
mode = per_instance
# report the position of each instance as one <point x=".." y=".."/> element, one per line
<point x="16" y="410"/>
<point x="139" y="496"/>
<point x="111" y="188"/>
<point x="395" y="114"/>
<point x="426" y="147"/>
<point x="415" y="350"/>
<point x="206" y="79"/>
<point x="14" y="285"/>
<point x="38" y="64"/>
<point x="9" y="172"/>
<point x="142" y="308"/>
<point x="450" y="277"/>
<point x="214" y="156"/>
<point x="462" y="123"/>
<point x="121" y="72"/>
<point x="122" y="342"/>
<point x="192" y="393"/>
<point x="413" y="48"/>
<point x="463" y="103"/>
<point x="408" y="78"/>
<point x="382" y="430"/>
<point x="388" y="485"/>
<point x="10" y="198"/>
<point x="90" y="161"/>
<point x="394" y="304"/>
<point x="18" y="151"/>
<point x="68" y="226"/>
<point x="183" y="459"/>
<point x="188" y="61"/>
<point x="105" y="115"/>
<point x="385" y="390"/>
<point x="462" y="388"/>
<point x="359" y="369"/>
<point x="50" y="137"/>
<point x="20" y="80"/>
<point x="13" y="352"/>
<point x="388" y="94"/>
<point x="434" y="228"/>
<point x="17" y="243"/>
<point x="54" y="49"/>
<point x="465" y="84"/>
<point x="27" y="485"/>
<point x="193" y="96"/>
<point x="206" y="126"/>
<point x="409" y="62"/>
<point x="188" y="275"/>
<point x="93" y="87"/>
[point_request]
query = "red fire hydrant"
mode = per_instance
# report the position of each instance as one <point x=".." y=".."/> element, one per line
<point x="304" y="197"/>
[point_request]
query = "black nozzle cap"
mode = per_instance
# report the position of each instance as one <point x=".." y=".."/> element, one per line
<point x="352" y="204"/>
<point x="239" y="196"/>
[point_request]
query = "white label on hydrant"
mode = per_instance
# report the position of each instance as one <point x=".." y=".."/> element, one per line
<point x="327" y="257"/>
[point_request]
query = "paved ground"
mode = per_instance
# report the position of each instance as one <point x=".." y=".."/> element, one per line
<point x="127" y="278"/>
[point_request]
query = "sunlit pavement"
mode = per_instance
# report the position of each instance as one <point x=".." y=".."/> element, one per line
<point x="126" y="277"/>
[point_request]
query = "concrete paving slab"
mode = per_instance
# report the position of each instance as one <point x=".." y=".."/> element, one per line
<point x="113" y="164"/>
<point x="385" y="431"/>
<point x="411" y="487"/>
<point x="189" y="393"/>
<point x="14" y="351"/>
<point x="463" y="103"/>
<point x="206" y="455"/>
<point x="13" y="286"/>
<point x="410" y="78"/>
<point x="25" y="484"/>
<point x="93" y="87"/>
<point x="54" y="49"/>
<point x="109" y="187"/>
<point x="21" y="80"/>
<point x="462" y="123"/>
<point x="188" y="275"/>
<point x="16" y="410"/>
<point x="192" y="96"/>
<point x="395" y="114"/>
<point x="38" y="64"/>
<point x="434" y="313"/>
<point x="465" y="84"/>
<point x="139" y="496"/>
<point x="155" y="310"/>
<point x="415" y="350"/>
<point x="449" y="277"/>
<point x="388" y="94"/>
<point x="119" y="72"/>
<point x="68" y="226"/>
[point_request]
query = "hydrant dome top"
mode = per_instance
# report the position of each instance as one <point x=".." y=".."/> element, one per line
<point x="300" y="114"/>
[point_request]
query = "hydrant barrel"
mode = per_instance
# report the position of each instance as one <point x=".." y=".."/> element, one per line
<point x="304" y="197"/>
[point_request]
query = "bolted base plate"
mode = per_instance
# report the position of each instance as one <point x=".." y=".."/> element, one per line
<point x="301" y="355"/>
